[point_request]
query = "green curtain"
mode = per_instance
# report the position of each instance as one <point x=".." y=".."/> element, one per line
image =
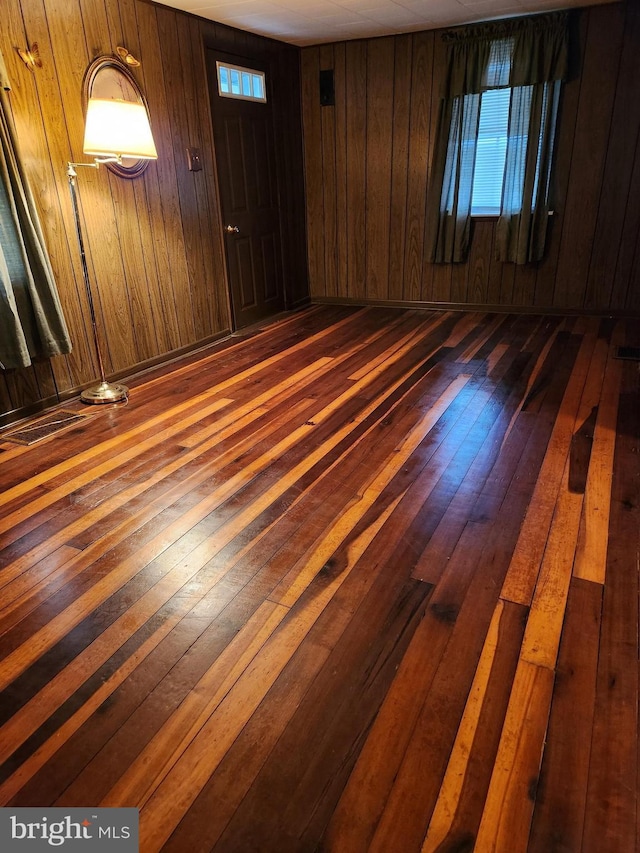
<point x="31" y="319"/>
<point x="449" y="218"/>
<point x="539" y="65"/>
<point x="449" y="204"/>
<point x="520" y="53"/>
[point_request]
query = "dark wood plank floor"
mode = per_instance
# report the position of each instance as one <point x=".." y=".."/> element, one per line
<point x="365" y="579"/>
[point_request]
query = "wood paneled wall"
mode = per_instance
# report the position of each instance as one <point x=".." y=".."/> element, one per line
<point x="367" y="162"/>
<point x="154" y="244"/>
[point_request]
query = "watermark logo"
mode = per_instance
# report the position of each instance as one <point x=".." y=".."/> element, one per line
<point x="33" y="830"/>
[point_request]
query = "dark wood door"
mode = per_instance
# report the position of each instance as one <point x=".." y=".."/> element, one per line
<point x="245" y="156"/>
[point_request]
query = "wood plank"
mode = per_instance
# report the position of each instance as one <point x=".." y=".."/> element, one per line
<point x="229" y="628"/>
<point x="523" y="572"/>
<point x="372" y="645"/>
<point x="559" y="814"/>
<point x="363" y="800"/>
<point x="458" y="809"/>
<point x="22" y="486"/>
<point x="506" y="819"/>
<point x="611" y="805"/>
<point x="482" y="494"/>
<point x="194" y="767"/>
<point x="125" y="569"/>
<point x="591" y="553"/>
<point x="410" y="804"/>
<point x="19" y="777"/>
<point x="289" y="590"/>
<point x="72" y="483"/>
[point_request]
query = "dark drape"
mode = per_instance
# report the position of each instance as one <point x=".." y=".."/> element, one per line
<point x="529" y="55"/>
<point x="31" y="319"/>
<point x="538" y="66"/>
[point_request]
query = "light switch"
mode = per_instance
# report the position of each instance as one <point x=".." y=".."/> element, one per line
<point x="193" y="159"/>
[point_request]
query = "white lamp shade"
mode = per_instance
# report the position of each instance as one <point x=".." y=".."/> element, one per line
<point x="118" y="129"/>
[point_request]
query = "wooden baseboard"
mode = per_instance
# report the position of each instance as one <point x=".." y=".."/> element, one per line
<point x="471" y="306"/>
<point x="17" y="415"/>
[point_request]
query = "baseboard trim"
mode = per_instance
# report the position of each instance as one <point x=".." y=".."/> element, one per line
<point x="471" y="306"/>
<point x="24" y="412"/>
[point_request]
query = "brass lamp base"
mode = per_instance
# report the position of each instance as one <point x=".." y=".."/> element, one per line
<point x="105" y="392"/>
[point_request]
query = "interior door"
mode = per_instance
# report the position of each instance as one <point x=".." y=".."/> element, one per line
<point x="245" y="158"/>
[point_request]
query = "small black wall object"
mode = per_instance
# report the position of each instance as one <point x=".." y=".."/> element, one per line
<point x="327" y="89"/>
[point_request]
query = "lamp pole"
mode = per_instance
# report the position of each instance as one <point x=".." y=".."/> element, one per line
<point x="103" y="392"/>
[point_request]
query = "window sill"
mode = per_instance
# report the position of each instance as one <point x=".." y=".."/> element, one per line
<point x="493" y="217"/>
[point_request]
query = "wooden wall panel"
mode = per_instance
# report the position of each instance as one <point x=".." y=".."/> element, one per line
<point x="419" y="135"/>
<point x="569" y="98"/>
<point x="177" y="80"/>
<point x="329" y="186"/>
<point x="356" y="168"/>
<point x="617" y="185"/>
<point x="314" y="167"/>
<point x="399" y="163"/>
<point x="162" y="189"/>
<point x="380" y="91"/>
<point x="436" y="278"/>
<point x="154" y="244"/>
<point x="597" y="93"/>
<point x="593" y="253"/>
<point x="340" y="112"/>
<point x="285" y="64"/>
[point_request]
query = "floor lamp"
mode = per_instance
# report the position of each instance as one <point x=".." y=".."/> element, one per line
<point x="114" y="130"/>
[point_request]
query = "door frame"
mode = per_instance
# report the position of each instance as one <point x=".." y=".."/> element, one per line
<point x="213" y="52"/>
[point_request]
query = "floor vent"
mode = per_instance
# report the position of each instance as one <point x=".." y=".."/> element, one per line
<point x="43" y="427"/>
<point x="629" y="353"/>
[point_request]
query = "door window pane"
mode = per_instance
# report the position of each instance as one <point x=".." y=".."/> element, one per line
<point x="246" y="84"/>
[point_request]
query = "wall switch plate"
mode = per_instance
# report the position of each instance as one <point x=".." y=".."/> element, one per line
<point x="193" y="159"/>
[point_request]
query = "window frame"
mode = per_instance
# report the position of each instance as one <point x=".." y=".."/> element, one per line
<point x="241" y="69"/>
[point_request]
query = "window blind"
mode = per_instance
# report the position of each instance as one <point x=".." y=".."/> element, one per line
<point x="491" y="152"/>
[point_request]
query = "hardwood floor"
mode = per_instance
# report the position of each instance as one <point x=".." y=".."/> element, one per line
<point x="366" y="579"/>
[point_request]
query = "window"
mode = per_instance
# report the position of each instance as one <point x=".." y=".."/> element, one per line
<point x="246" y="84"/>
<point x="491" y="152"/>
<point x="496" y="136"/>
<point x="493" y="131"/>
<point x="502" y="124"/>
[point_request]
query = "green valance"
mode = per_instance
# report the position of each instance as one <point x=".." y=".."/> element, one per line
<point x="514" y="52"/>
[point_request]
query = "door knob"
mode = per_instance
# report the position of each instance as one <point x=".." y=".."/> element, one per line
<point x="232" y="229"/>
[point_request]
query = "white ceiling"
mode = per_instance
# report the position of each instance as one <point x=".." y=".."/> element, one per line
<point x="305" y="22"/>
